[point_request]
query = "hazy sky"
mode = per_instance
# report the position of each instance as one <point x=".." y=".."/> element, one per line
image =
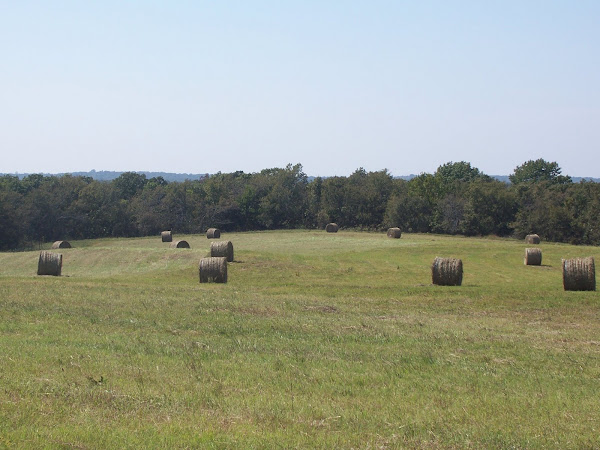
<point x="207" y="86"/>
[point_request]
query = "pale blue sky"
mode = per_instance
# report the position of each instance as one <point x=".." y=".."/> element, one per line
<point x="207" y="86"/>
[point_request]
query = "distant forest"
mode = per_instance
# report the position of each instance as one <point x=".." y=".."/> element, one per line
<point x="456" y="199"/>
<point x="109" y="175"/>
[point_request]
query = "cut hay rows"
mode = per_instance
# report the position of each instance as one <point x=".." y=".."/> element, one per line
<point x="332" y="228"/>
<point x="213" y="269"/>
<point x="213" y="233"/>
<point x="579" y="274"/>
<point x="533" y="257"/>
<point x="532" y="239"/>
<point x="447" y="271"/>
<point x="222" y="249"/>
<point x="61" y="244"/>
<point x="179" y="244"/>
<point x="166" y="236"/>
<point x="394" y="233"/>
<point x="49" y="263"/>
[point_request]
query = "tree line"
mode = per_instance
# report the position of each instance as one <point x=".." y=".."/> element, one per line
<point x="456" y="199"/>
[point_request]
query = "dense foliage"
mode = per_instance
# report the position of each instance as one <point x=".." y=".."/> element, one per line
<point x="456" y="199"/>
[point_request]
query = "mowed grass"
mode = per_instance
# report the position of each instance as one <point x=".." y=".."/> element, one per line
<point x="318" y="340"/>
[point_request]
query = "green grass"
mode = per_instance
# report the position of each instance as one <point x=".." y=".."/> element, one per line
<point x="318" y="340"/>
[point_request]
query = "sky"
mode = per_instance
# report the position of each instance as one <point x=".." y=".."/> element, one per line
<point x="207" y="86"/>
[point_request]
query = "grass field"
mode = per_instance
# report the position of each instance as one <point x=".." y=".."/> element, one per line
<point x="318" y="340"/>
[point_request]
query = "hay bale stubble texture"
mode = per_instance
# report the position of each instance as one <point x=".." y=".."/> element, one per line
<point x="166" y="236"/>
<point x="533" y="257"/>
<point x="579" y="274"/>
<point x="394" y="233"/>
<point x="213" y="269"/>
<point x="532" y="239"/>
<point x="447" y="271"/>
<point x="213" y="233"/>
<point x="179" y="244"/>
<point x="61" y="244"/>
<point x="50" y="263"/>
<point x="222" y="249"/>
<point x="332" y="228"/>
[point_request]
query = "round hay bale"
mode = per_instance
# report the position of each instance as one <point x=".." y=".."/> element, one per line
<point x="50" y="263"/>
<point x="179" y="244"/>
<point x="222" y="249"/>
<point x="332" y="228"/>
<point x="579" y="274"/>
<point x="532" y="239"/>
<point x="533" y="257"/>
<point x="394" y="233"/>
<point x="447" y="271"/>
<point x="166" y="236"/>
<point x="61" y="244"/>
<point x="213" y="269"/>
<point x="213" y="233"/>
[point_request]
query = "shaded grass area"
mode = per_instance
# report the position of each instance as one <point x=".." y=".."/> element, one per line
<point x="316" y="341"/>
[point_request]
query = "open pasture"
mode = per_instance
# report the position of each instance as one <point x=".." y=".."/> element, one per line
<point x="317" y="340"/>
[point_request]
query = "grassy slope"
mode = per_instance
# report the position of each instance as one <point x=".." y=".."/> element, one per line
<point x="318" y="340"/>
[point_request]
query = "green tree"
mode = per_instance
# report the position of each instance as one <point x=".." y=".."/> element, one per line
<point x="544" y="210"/>
<point x="537" y="171"/>
<point x="149" y="212"/>
<point x="457" y="171"/>
<point x="65" y="191"/>
<point x="411" y="203"/>
<point x="333" y="197"/>
<point x="11" y="230"/>
<point x="490" y="208"/>
<point x="105" y="213"/>
<point x="424" y="191"/>
<point x="453" y="181"/>
<point x="359" y="200"/>
<point x="40" y="215"/>
<point x="129" y="184"/>
<point x="32" y="182"/>
<point x="582" y="202"/>
<point x="10" y="183"/>
<point x="407" y="210"/>
<point x="285" y="202"/>
<point x="588" y="217"/>
<point x="448" y="214"/>
<point x="155" y="182"/>
<point x="315" y="215"/>
<point x="230" y="200"/>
